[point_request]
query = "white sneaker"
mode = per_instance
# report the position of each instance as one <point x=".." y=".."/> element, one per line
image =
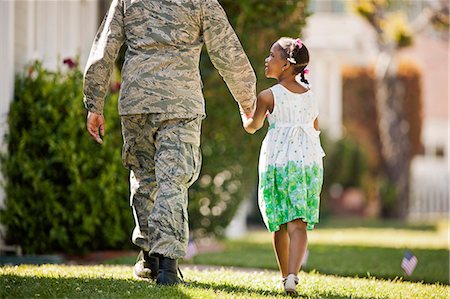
<point x="290" y="283"/>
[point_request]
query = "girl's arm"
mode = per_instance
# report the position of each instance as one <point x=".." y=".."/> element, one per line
<point x="264" y="103"/>
<point x="316" y="124"/>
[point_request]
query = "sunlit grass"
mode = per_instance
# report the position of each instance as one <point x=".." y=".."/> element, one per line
<point x="351" y="250"/>
<point x="347" y="248"/>
<point x="57" y="281"/>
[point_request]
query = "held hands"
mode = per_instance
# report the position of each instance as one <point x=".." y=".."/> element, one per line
<point x="95" y="123"/>
<point x="247" y="121"/>
<point x="255" y="121"/>
<point x="245" y="116"/>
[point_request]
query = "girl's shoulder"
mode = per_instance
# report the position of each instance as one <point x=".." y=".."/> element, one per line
<point x="275" y="87"/>
<point x="266" y="94"/>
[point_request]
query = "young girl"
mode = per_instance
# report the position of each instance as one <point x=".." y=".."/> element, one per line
<point x="290" y="164"/>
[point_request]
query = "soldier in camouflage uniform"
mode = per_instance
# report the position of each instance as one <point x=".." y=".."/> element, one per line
<point x="161" y="107"/>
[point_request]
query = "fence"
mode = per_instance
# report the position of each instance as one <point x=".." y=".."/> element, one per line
<point x="429" y="189"/>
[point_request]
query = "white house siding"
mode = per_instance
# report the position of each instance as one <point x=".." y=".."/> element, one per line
<point x="7" y="73"/>
<point x="53" y="30"/>
<point x="430" y="177"/>
<point x="46" y="30"/>
<point x="430" y="171"/>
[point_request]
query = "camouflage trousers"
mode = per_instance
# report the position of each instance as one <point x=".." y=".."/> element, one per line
<point x="164" y="159"/>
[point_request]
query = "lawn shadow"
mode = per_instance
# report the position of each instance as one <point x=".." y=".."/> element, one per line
<point x="15" y="286"/>
<point x="243" y="290"/>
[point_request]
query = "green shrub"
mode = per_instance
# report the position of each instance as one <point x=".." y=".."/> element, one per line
<point x="63" y="191"/>
<point x="345" y="164"/>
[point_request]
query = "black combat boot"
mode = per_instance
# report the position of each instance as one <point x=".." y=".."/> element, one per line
<point x="146" y="266"/>
<point x="167" y="274"/>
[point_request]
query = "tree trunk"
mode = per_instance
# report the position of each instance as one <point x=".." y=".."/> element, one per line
<point x="393" y="130"/>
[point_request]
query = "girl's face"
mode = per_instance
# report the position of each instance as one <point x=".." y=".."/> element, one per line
<point x="276" y="62"/>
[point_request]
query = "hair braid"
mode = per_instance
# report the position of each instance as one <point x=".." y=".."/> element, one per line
<point x="297" y="54"/>
<point x="302" y="77"/>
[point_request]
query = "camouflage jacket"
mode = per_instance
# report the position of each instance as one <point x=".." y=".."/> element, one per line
<point x="161" y="70"/>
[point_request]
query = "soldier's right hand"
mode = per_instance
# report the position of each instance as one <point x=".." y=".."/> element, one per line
<point x="95" y="124"/>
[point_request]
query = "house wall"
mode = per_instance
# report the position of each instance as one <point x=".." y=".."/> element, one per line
<point x="430" y="174"/>
<point x="336" y="38"/>
<point x="7" y="73"/>
<point x="49" y="31"/>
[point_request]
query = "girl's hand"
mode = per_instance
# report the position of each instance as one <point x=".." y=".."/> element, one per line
<point x="244" y="117"/>
<point x="264" y="103"/>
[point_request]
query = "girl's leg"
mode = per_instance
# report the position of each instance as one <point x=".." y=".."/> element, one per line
<point x="297" y="245"/>
<point x="281" y="247"/>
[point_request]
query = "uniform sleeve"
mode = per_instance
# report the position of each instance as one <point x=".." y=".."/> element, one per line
<point x="227" y="55"/>
<point x="107" y="43"/>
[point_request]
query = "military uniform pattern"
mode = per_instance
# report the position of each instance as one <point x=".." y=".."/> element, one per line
<point x="164" y="159"/>
<point x="161" y="70"/>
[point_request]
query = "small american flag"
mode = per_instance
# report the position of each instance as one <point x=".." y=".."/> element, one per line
<point x="409" y="262"/>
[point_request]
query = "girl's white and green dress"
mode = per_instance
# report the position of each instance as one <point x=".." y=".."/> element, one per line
<point x="290" y="162"/>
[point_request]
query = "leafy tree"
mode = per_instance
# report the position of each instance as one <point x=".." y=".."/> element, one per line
<point x="394" y="33"/>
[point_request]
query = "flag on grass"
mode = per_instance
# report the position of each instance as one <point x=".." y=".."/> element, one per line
<point x="409" y="262"/>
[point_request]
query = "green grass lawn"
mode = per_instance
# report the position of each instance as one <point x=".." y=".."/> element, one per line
<point x="346" y="260"/>
<point x="363" y="251"/>
<point x="61" y="281"/>
<point x="348" y="248"/>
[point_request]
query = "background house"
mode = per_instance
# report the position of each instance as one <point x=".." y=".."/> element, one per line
<point x="430" y="169"/>
<point x="337" y="37"/>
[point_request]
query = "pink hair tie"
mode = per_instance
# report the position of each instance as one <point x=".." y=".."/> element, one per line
<point x="299" y="43"/>
<point x="306" y="71"/>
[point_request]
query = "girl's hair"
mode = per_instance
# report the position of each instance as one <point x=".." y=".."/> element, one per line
<point x="297" y="54"/>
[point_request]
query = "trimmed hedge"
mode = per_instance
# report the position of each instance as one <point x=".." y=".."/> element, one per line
<point x="63" y="191"/>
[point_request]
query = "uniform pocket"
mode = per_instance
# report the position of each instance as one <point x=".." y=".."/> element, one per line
<point x="129" y="159"/>
<point x="190" y="131"/>
<point x="196" y="163"/>
<point x="132" y="126"/>
<point x="190" y="141"/>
